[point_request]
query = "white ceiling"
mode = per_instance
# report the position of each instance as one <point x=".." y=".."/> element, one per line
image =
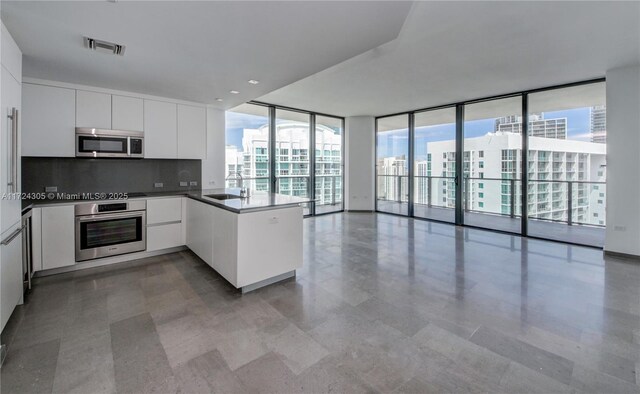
<point x="197" y="51"/>
<point x="454" y="51"/>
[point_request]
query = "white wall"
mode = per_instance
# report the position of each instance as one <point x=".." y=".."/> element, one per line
<point x="360" y="163"/>
<point x="623" y="160"/>
<point x="213" y="167"/>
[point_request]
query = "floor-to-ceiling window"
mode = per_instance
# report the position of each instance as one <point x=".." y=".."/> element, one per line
<point x="392" y="167"/>
<point x="434" y="186"/>
<point x="567" y="164"/>
<point x="491" y="164"/>
<point x="282" y="159"/>
<point x="247" y="147"/>
<point x="292" y="155"/>
<point x="328" y="164"/>
<point x="475" y="163"/>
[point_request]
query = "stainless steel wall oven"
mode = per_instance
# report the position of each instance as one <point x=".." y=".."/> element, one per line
<point x="110" y="228"/>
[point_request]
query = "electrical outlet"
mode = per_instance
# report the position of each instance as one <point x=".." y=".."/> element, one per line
<point x="51" y="189"/>
<point x="193" y="183"/>
<point x="183" y="183"/>
<point x="158" y="184"/>
<point x="620" y="228"/>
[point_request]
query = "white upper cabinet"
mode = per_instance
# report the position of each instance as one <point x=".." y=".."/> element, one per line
<point x="93" y="109"/>
<point x="48" y="121"/>
<point x="127" y="113"/>
<point x="11" y="55"/>
<point x="192" y="132"/>
<point x="51" y="114"/>
<point x="160" y="130"/>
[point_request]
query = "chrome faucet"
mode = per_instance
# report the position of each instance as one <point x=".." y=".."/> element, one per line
<point x="244" y="192"/>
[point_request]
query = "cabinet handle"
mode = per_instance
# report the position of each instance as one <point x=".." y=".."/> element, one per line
<point x="14" y="151"/>
<point x="13" y="236"/>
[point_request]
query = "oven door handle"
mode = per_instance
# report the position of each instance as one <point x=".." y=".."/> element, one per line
<point x="107" y="216"/>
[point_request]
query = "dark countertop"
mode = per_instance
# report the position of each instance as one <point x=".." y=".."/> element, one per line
<point x="258" y="201"/>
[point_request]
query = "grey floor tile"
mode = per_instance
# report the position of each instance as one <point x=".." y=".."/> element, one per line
<point x="30" y="369"/>
<point x="207" y="373"/>
<point x="268" y="374"/>
<point x="140" y="363"/>
<point x="542" y="361"/>
<point x="404" y="319"/>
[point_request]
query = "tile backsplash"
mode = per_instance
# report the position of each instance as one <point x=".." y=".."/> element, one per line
<point x="74" y="175"/>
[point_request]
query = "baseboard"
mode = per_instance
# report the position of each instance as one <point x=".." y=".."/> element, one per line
<point x="108" y="261"/>
<point x="626" y="256"/>
<point x="359" y="210"/>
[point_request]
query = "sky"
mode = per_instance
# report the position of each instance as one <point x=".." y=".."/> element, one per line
<point x="578" y="128"/>
<point x="578" y="122"/>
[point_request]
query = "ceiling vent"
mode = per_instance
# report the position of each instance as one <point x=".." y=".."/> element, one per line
<point x="104" y="46"/>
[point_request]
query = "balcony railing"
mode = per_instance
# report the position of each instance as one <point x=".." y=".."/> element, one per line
<point x="485" y="195"/>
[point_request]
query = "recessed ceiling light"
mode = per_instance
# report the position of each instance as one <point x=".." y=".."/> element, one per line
<point x="218" y="99"/>
<point x="253" y="82"/>
<point x="233" y="91"/>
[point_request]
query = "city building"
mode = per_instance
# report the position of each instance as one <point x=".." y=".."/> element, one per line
<point x="599" y="124"/>
<point x="559" y="173"/>
<point x="292" y="160"/>
<point x="538" y="126"/>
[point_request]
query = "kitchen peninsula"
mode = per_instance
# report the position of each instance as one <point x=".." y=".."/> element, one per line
<point x="252" y="242"/>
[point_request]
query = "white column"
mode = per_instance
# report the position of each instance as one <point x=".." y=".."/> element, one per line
<point x="623" y="160"/>
<point x="213" y="167"/>
<point x="359" y="163"/>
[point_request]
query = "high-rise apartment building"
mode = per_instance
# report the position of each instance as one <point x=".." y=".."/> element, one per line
<point x="559" y="171"/>
<point x="599" y="124"/>
<point x="292" y="160"/>
<point x="538" y="126"/>
<point x="392" y="178"/>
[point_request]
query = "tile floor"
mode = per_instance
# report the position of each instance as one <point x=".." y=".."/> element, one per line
<point x="383" y="304"/>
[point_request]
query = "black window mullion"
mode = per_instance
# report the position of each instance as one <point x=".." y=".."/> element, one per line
<point x="410" y="162"/>
<point x="524" y="176"/>
<point x="459" y="174"/>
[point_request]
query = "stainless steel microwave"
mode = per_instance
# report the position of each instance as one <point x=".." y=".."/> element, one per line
<point x="109" y="143"/>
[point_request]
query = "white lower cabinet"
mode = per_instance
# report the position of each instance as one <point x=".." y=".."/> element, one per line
<point x="200" y="226"/>
<point x="164" y="223"/>
<point x="58" y="236"/>
<point x="10" y="272"/>
<point x="163" y="236"/>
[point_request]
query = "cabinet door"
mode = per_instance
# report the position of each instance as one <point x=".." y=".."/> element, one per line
<point x="11" y="56"/>
<point x="160" y="130"/>
<point x="200" y="228"/>
<point x="58" y="237"/>
<point x="164" y="210"/>
<point x="192" y="132"/>
<point x="93" y="109"/>
<point x="10" y="98"/>
<point x="164" y="236"/>
<point x="127" y="113"/>
<point x="48" y="121"/>
<point x="10" y="274"/>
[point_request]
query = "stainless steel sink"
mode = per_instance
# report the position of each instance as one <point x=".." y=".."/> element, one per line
<point x="222" y="196"/>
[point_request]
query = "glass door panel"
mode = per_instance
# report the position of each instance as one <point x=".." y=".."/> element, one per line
<point x="491" y="161"/>
<point x="392" y="172"/>
<point x="292" y="154"/>
<point x="567" y="164"/>
<point x="247" y="147"/>
<point x="328" y="164"/>
<point x="434" y="189"/>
